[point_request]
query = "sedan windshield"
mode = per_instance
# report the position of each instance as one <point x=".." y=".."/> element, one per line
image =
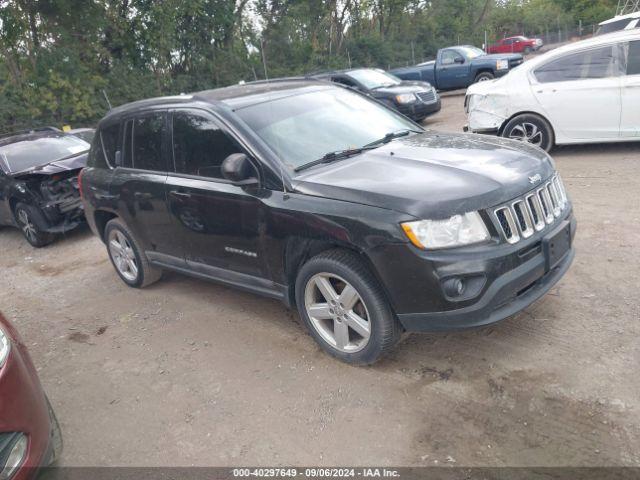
<point x="373" y="78"/>
<point x="303" y="128"/>
<point x="26" y="154"/>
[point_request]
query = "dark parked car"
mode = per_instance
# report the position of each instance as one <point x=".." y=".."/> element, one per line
<point x="85" y="134"/>
<point x="39" y="183"/>
<point x="29" y="432"/>
<point x="415" y="99"/>
<point x="459" y="67"/>
<point x="316" y="195"/>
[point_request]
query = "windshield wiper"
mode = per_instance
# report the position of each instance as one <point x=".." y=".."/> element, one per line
<point x="331" y="156"/>
<point x="390" y="136"/>
<point x="341" y="154"/>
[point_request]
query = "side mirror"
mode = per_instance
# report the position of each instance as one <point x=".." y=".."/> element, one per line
<point x="238" y="170"/>
<point x="459" y="60"/>
<point x="118" y="158"/>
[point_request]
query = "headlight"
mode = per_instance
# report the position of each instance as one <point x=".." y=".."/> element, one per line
<point x="456" y="231"/>
<point x="502" y="65"/>
<point x="16" y="456"/>
<point x="406" y="98"/>
<point x="5" y="346"/>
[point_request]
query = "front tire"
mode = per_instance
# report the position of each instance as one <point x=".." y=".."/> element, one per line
<point x="527" y="50"/>
<point x="127" y="257"/>
<point x="28" y="217"/>
<point x="532" y="129"/>
<point x="345" y="309"/>
<point x="484" y="76"/>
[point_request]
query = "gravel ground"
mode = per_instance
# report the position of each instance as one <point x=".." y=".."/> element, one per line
<point x="192" y="373"/>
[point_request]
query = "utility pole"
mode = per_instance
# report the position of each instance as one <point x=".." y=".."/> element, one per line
<point x="264" y="59"/>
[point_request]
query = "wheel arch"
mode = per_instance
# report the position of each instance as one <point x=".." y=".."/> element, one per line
<point x="299" y="250"/>
<point x="482" y="70"/>
<point x="101" y="218"/>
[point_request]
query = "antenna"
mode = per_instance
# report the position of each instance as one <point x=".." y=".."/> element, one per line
<point x="106" y="97"/>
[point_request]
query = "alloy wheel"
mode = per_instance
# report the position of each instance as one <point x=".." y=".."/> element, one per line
<point x="337" y="312"/>
<point x="27" y="226"/>
<point x="123" y="255"/>
<point x="527" y="132"/>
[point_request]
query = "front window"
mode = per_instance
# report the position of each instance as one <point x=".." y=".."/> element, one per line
<point x="27" y="154"/>
<point x="373" y="78"/>
<point x="633" y="58"/>
<point x="200" y="146"/>
<point x="303" y="128"/>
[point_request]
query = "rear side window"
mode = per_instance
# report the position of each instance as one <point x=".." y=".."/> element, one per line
<point x="590" y="64"/>
<point x="449" y="57"/>
<point x="148" y="132"/>
<point x="200" y="146"/>
<point x="633" y="58"/>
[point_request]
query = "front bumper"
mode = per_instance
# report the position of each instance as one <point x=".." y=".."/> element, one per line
<point x="501" y="281"/>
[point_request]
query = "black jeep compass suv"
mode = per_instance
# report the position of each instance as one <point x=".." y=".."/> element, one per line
<point x="311" y="193"/>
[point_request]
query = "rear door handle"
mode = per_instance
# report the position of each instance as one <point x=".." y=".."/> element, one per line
<point x="179" y="194"/>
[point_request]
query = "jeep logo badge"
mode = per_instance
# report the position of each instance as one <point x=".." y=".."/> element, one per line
<point x="535" y="179"/>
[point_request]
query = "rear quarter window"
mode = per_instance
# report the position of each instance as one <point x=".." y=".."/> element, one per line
<point x="104" y="146"/>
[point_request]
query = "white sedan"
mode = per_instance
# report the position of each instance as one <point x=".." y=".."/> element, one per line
<point x="585" y="92"/>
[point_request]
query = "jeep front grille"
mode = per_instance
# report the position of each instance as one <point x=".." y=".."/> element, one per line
<point x="533" y="212"/>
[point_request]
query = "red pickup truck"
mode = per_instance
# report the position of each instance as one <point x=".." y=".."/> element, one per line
<point x="517" y="44"/>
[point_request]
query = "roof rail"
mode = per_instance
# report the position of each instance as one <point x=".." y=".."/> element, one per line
<point x="275" y="80"/>
<point x="29" y="130"/>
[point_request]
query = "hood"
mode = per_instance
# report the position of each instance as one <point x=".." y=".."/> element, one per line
<point x="405" y="87"/>
<point x="63" y="165"/>
<point x="432" y="175"/>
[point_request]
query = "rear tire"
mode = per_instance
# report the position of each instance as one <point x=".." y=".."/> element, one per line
<point x="532" y="129"/>
<point x="28" y="218"/>
<point x="345" y="309"/>
<point x="127" y="257"/>
<point x="484" y="76"/>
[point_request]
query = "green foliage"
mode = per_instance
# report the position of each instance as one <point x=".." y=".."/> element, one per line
<point x="57" y="56"/>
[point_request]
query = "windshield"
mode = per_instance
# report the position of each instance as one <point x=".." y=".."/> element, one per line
<point x="374" y="78"/>
<point x="470" y="52"/>
<point x="304" y="128"/>
<point x="19" y="156"/>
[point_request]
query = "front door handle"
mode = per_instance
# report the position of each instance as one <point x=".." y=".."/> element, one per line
<point x="176" y="193"/>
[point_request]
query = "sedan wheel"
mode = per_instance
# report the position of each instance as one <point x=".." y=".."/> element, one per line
<point x="337" y="312"/>
<point x="27" y="226"/>
<point x="530" y="128"/>
<point x="123" y="256"/>
<point x="27" y="219"/>
<point x="527" y="132"/>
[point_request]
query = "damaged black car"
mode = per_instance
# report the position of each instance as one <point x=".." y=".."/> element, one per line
<point x="39" y="191"/>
